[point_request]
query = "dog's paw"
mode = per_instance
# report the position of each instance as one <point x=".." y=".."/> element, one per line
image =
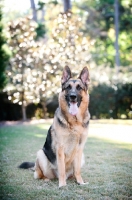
<point x="61" y="185"/>
<point x="46" y="179"/>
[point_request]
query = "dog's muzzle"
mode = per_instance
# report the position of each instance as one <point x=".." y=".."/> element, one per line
<point x="73" y="97"/>
<point x="73" y="108"/>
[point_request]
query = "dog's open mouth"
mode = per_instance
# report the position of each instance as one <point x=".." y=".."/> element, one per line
<point x="73" y="109"/>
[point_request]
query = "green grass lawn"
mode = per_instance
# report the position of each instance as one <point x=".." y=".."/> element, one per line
<point x="108" y="166"/>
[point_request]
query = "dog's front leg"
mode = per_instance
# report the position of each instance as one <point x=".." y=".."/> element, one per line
<point x="77" y="166"/>
<point x="61" y="166"/>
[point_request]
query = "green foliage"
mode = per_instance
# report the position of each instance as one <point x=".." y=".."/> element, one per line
<point x="100" y="26"/>
<point x="39" y="114"/>
<point x="36" y="67"/>
<point x="124" y="100"/>
<point x="23" y="46"/>
<point x="4" y="56"/>
<point x="41" y="5"/>
<point x="53" y="2"/>
<point x="102" y="101"/>
<point x="111" y="101"/>
<point x="40" y="30"/>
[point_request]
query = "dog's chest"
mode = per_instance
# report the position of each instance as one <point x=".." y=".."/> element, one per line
<point x="72" y="140"/>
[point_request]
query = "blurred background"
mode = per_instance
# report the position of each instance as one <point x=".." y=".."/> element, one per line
<point x="38" y="38"/>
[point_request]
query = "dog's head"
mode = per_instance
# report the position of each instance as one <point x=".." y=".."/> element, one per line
<point x="74" y="90"/>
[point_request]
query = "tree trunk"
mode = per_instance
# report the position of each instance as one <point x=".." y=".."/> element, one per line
<point x="43" y="15"/>
<point x="24" y="117"/>
<point x="33" y="10"/>
<point x="44" y="109"/>
<point x="117" y="56"/>
<point x="67" y="5"/>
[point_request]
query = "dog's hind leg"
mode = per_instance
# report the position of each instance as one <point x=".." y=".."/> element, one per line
<point x="38" y="174"/>
<point x="42" y="167"/>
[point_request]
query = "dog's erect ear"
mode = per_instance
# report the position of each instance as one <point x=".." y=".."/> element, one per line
<point x="66" y="75"/>
<point x="84" y="76"/>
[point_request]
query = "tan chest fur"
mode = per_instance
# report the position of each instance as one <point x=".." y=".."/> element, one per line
<point x="70" y="139"/>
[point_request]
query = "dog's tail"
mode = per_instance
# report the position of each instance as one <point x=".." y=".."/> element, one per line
<point x="26" y="165"/>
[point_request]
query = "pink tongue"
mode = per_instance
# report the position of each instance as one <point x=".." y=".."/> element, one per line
<point x="73" y="108"/>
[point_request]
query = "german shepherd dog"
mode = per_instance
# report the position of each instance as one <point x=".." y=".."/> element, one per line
<point x="62" y="154"/>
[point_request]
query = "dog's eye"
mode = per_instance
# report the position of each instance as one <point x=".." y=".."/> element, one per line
<point x="68" y="87"/>
<point x="78" y="87"/>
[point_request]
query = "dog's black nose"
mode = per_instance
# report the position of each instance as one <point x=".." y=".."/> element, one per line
<point x="73" y="96"/>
